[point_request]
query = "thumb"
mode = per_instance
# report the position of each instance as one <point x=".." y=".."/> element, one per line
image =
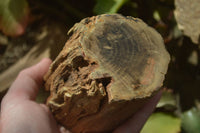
<point x="28" y="82"/>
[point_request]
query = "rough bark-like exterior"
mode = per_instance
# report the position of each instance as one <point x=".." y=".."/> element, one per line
<point x="107" y="70"/>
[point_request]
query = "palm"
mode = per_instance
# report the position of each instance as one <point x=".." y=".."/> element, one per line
<point x="30" y="114"/>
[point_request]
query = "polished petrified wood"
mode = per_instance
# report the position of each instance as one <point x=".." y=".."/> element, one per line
<point x="106" y="71"/>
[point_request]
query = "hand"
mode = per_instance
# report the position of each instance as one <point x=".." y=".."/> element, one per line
<point x="137" y="121"/>
<point x="21" y="114"/>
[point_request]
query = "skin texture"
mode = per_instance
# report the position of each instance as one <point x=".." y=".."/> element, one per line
<point x="21" y="114"/>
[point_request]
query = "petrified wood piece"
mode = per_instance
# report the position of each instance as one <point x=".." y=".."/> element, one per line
<point x="106" y="71"/>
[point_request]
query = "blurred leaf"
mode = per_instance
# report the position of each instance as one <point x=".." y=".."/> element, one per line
<point x="167" y="101"/>
<point x="197" y="103"/>
<point x="177" y="32"/>
<point x="156" y="15"/>
<point x="13" y="16"/>
<point x="162" y="123"/>
<point x="108" y="6"/>
<point x="188" y="18"/>
<point x="193" y="58"/>
<point x="191" y="121"/>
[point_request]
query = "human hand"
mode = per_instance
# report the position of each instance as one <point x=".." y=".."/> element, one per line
<point x="137" y="121"/>
<point x="21" y="114"/>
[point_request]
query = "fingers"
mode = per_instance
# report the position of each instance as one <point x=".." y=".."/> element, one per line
<point x="64" y="130"/>
<point x="137" y="121"/>
<point x="28" y="82"/>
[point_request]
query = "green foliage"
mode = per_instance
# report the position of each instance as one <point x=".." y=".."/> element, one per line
<point x="162" y="123"/>
<point x="191" y="121"/>
<point x="108" y="6"/>
<point x="168" y="101"/>
<point x="13" y="16"/>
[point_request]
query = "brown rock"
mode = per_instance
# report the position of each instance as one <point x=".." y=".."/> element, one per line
<point x="106" y="71"/>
